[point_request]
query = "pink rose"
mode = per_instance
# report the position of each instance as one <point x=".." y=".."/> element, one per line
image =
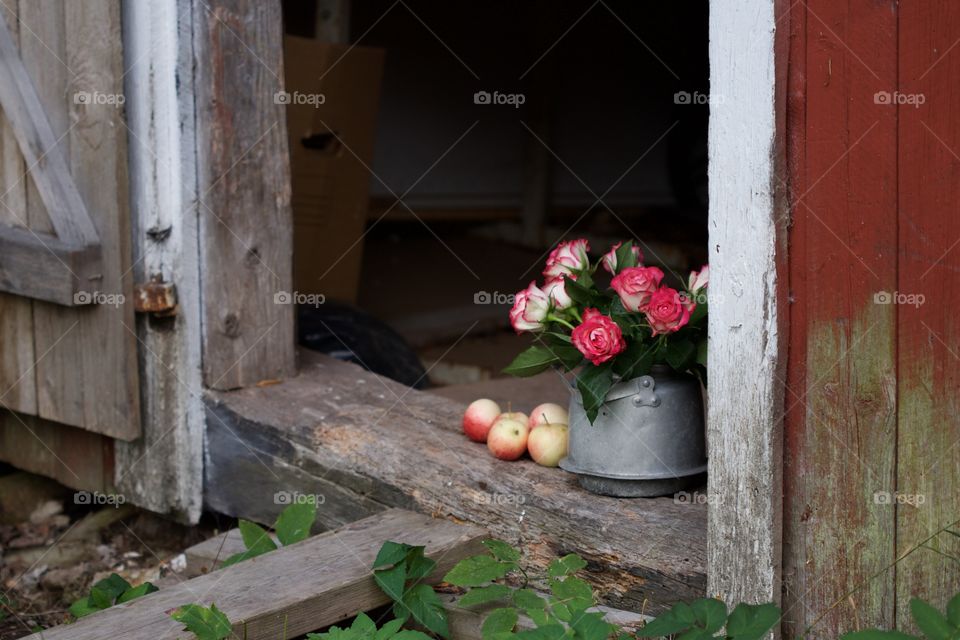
<point x="635" y="285"/>
<point x="567" y="258"/>
<point x="610" y="257"/>
<point x="530" y="308"/>
<point x="698" y="279"/>
<point x="557" y="292"/>
<point x="668" y="310"/>
<point x="598" y="337"/>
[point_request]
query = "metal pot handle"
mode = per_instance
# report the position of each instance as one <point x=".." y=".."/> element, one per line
<point x="646" y="396"/>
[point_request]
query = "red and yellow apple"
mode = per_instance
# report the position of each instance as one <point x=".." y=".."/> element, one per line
<point x="479" y="417"/>
<point x="547" y="443"/>
<point x="548" y="413"/>
<point x="507" y="439"/>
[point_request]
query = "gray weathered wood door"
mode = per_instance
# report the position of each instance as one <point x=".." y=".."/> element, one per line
<point x="68" y="342"/>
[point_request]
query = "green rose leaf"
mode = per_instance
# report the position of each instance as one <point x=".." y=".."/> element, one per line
<point x="680" y="354"/>
<point x="580" y="292"/>
<point x="625" y="256"/>
<point x="594" y="383"/>
<point x="634" y="361"/>
<point x="531" y="362"/>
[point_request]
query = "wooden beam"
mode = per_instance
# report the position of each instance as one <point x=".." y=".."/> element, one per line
<point x="43" y="267"/>
<point x="746" y="294"/>
<point x="243" y="189"/>
<point x="364" y="442"/>
<point x="290" y="591"/>
<point x="163" y="470"/>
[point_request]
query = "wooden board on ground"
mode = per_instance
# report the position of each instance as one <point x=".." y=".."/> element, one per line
<point x="289" y="591"/>
<point x="362" y="442"/>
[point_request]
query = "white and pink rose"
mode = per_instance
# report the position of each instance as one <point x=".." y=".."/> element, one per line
<point x="568" y="258"/>
<point x="668" y="311"/>
<point x="635" y="286"/>
<point x="598" y="337"/>
<point x="610" y="257"/>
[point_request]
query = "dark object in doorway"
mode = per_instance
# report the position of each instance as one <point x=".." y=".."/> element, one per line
<point x="349" y="334"/>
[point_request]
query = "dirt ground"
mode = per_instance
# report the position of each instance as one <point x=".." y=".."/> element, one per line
<point x="56" y="549"/>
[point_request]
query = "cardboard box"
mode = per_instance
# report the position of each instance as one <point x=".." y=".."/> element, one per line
<point x="333" y="93"/>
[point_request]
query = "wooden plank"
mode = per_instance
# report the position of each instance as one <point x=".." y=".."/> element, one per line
<point x="43" y="267"/>
<point x="928" y="333"/>
<point x="163" y="470"/>
<point x="51" y="175"/>
<point x="300" y="588"/>
<point x="72" y="386"/>
<point x="747" y="249"/>
<point x="244" y="190"/>
<point x="18" y="388"/>
<point x="840" y="446"/>
<point x="380" y="443"/>
<point x="73" y="457"/>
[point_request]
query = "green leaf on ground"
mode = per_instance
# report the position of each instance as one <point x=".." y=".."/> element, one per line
<point x="427" y="609"/>
<point x="476" y="571"/>
<point x="295" y="521"/>
<point x="570" y="563"/>
<point x="205" y="623"/>
<point x="482" y="595"/>
<point x="498" y="622"/>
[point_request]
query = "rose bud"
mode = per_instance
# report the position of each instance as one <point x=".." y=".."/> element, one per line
<point x="668" y="310"/>
<point x="610" y="257"/>
<point x="530" y="308"/>
<point x="598" y="337"/>
<point x="635" y="285"/>
<point x="557" y="292"/>
<point x="567" y="258"/>
<point x="698" y="279"/>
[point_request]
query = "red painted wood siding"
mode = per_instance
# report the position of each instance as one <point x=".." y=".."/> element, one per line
<point x="871" y="409"/>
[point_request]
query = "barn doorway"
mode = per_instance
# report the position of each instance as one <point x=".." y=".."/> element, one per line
<point x="499" y="130"/>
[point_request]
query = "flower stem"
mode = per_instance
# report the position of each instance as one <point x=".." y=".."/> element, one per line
<point x="554" y="318"/>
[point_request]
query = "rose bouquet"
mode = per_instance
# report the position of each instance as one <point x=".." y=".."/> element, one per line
<point x="610" y="334"/>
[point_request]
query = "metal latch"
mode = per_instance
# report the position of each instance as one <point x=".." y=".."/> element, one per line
<point x="156" y="297"/>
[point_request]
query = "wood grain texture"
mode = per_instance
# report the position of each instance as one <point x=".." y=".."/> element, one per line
<point x="379" y="443"/>
<point x="840" y="447"/>
<point x="89" y="377"/>
<point x="18" y="387"/>
<point x="744" y="430"/>
<point x="163" y="470"/>
<point x="311" y="584"/>
<point x="244" y="193"/>
<point x="928" y="331"/>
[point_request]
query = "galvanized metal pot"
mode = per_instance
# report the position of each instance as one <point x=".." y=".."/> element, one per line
<point x="648" y="439"/>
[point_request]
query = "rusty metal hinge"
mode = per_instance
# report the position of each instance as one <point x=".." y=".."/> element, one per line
<point x="156" y="297"/>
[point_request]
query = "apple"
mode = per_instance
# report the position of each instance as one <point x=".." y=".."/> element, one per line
<point x="548" y="443"/>
<point x="507" y="439"/>
<point x="479" y="417"/>
<point x="514" y="415"/>
<point x="548" y="413"/>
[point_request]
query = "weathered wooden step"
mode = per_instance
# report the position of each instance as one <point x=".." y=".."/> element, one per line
<point x="359" y="443"/>
<point x="289" y="591"/>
